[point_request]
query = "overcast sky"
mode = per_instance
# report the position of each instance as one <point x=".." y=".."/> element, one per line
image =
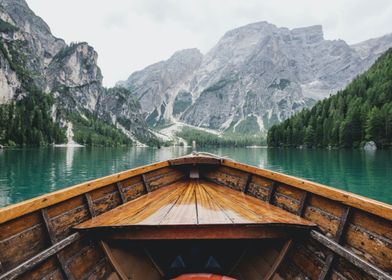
<point x="131" y="34"/>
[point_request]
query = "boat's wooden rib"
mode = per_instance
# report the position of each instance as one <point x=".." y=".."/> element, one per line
<point x="14" y="211"/>
<point x="325" y="273"/>
<point x="351" y="257"/>
<point x="279" y="260"/>
<point x="231" y="200"/>
<point x="370" y="205"/>
<point x="39" y="258"/>
<point x="117" y="268"/>
<point x="120" y="191"/>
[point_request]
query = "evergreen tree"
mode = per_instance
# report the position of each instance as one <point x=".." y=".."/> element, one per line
<point x="361" y="112"/>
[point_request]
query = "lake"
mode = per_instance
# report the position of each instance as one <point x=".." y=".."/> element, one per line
<point x="26" y="173"/>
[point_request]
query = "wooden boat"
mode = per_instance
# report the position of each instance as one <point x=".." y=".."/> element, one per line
<point x="197" y="214"/>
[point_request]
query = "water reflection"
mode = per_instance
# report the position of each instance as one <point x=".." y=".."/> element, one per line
<point x="26" y="173"/>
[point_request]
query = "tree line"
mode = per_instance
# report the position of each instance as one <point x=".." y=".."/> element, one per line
<point x="204" y="138"/>
<point x="28" y="121"/>
<point x="361" y="112"/>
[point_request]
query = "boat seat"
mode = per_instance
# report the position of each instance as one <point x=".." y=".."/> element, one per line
<point x="195" y="209"/>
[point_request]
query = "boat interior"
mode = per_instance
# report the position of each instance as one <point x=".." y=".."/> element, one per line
<point x="197" y="214"/>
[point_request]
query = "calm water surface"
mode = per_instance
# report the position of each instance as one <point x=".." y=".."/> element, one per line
<point x="27" y="173"/>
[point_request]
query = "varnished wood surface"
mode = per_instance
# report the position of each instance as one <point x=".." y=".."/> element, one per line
<point x="378" y="208"/>
<point x="31" y="205"/>
<point x="194" y="202"/>
<point x="370" y="205"/>
<point x="230" y="214"/>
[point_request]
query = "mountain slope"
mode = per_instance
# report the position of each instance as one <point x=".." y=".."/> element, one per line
<point x="361" y="112"/>
<point x="33" y="60"/>
<point x="255" y="76"/>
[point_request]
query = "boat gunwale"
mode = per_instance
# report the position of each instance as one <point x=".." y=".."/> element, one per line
<point x="369" y="205"/>
<point x="28" y="206"/>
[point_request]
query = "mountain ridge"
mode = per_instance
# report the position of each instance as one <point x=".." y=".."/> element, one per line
<point x="359" y="114"/>
<point x="32" y="59"/>
<point x="258" y="74"/>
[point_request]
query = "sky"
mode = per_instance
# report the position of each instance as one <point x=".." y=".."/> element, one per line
<point x="132" y="34"/>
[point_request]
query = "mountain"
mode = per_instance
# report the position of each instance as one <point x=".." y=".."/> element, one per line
<point x="67" y="77"/>
<point x="255" y="76"/>
<point x="361" y="112"/>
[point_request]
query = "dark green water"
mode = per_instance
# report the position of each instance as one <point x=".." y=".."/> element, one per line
<point x="28" y="173"/>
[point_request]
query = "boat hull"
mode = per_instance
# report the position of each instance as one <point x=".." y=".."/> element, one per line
<point x="353" y="238"/>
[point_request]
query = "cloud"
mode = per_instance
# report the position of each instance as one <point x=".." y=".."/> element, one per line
<point x="131" y="34"/>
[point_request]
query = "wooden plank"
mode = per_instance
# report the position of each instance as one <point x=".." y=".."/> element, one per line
<point x="27" y="265"/>
<point x="135" y="211"/>
<point x="157" y="267"/>
<point x="195" y="160"/>
<point x="326" y="271"/>
<point x="184" y="210"/>
<point x="158" y="211"/>
<point x="378" y="208"/>
<point x="351" y="257"/>
<point x="243" y="208"/>
<point x="113" y="261"/>
<point x="191" y="232"/>
<point x="23" y="245"/>
<point x="155" y="183"/>
<point x="90" y="204"/>
<point x="31" y="205"/>
<point x="208" y="211"/>
<point x="120" y="191"/>
<point x="228" y="177"/>
<point x="278" y="261"/>
<point x="248" y="180"/>
<point x="145" y="184"/>
<point x="177" y="204"/>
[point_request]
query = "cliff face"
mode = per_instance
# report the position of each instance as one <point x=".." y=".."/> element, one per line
<point x="154" y="86"/>
<point x="256" y="75"/>
<point x="32" y="57"/>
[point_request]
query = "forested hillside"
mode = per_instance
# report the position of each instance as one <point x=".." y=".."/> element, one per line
<point x="361" y="112"/>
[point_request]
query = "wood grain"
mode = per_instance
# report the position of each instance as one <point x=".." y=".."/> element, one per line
<point x="194" y="202"/>
<point x="379" y="208"/>
<point x="31" y="205"/>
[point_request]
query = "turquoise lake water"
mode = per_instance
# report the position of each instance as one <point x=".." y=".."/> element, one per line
<point x="27" y="173"/>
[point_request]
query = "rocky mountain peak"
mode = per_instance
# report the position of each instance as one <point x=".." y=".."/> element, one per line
<point x="25" y="18"/>
<point x="256" y="75"/>
<point x="32" y="59"/>
<point x="309" y="35"/>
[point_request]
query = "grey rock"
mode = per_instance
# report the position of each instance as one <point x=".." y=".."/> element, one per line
<point x="156" y="86"/>
<point x="370" y="146"/>
<point x="257" y="71"/>
<point x="69" y="72"/>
